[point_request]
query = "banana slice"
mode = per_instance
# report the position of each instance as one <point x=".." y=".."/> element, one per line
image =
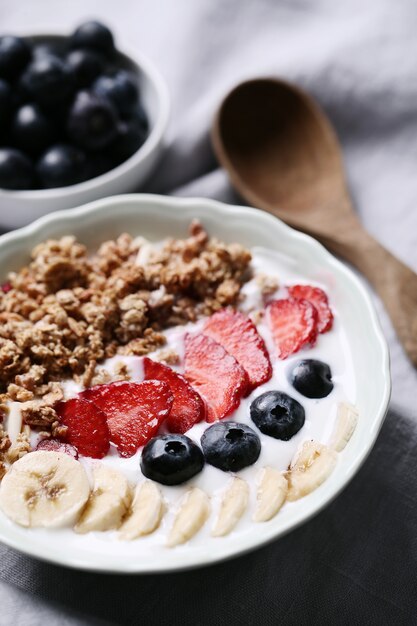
<point x="44" y="488"/>
<point x="108" y="502"/>
<point x="147" y="511"/>
<point x="272" y="491"/>
<point x="347" y="418"/>
<point x="192" y="515"/>
<point x="234" y="504"/>
<point x="309" y="470"/>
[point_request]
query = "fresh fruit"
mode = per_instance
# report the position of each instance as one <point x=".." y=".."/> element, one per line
<point x="31" y="130"/>
<point x="5" y="103"/>
<point x="238" y="335"/>
<point x="312" y="378"/>
<point x="120" y="89"/>
<point x="277" y="415"/>
<point x="14" y="56"/>
<point x="92" y="121"/>
<point x="134" y="411"/>
<point x="192" y="515"/>
<point x="94" y="35"/>
<point x="272" y="492"/>
<point x="58" y="446"/>
<point x="311" y="467"/>
<point x="347" y="418"/>
<point x="16" y="170"/>
<point x="87" y="428"/>
<point x="44" y="488"/>
<point x="293" y="324"/>
<point x="230" y="446"/>
<point x="86" y="65"/>
<point x="215" y="374"/>
<point x="60" y="166"/>
<point x="108" y="502"/>
<point x="46" y="50"/>
<point x="48" y="81"/>
<point x="171" y="459"/>
<point x="146" y="512"/>
<point x="234" y="504"/>
<point x="318" y="298"/>
<point x="130" y="137"/>
<point x="187" y="408"/>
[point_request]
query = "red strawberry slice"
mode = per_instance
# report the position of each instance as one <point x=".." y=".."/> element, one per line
<point x="57" y="446"/>
<point x="318" y="298"/>
<point x="216" y="375"/>
<point x="239" y="336"/>
<point x="188" y="408"/>
<point x="293" y="324"/>
<point x="134" y="411"/>
<point x="87" y="427"/>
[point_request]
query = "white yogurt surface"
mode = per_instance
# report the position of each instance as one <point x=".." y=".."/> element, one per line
<point x="331" y="347"/>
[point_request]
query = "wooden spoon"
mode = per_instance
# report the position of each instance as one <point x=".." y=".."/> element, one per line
<point x="283" y="156"/>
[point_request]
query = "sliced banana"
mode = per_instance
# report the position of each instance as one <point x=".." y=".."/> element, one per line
<point x="347" y="418"/>
<point x="146" y="513"/>
<point x="192" y="515"/>
<point x="234" y="504"/>
<point x="309" y="470"/>
<point x="272" y="492"/>
<point x="108" y="502"/>
<point x="44" y="488"/>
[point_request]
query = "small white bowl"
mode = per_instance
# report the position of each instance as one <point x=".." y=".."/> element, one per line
<point x="156" y="217"/>
<point x="18" y="208"/>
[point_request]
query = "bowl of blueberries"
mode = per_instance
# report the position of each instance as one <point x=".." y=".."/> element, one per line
<point x="79" y="120"/>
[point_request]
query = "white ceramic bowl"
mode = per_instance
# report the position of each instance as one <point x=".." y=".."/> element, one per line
<point x="156" y="217"/>
<point x="18" y="208"/>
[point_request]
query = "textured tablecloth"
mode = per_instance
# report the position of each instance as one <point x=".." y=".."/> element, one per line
<point x="355" y="563"/>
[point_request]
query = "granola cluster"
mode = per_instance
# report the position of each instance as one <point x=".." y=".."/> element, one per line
<point x="68" y="310"/>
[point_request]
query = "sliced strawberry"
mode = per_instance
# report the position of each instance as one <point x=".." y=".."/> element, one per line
<point x="293" y="324"/>
<point x="58" y="446"/>
<point x="188" y="408"/>
<point x="134" y="411"/>
<point x="216" y="375"/>
<point x="87" y="427"/>
<point x="238" y="335"/>
<point x="6" y="287"/>
<point x="318" y="298"/>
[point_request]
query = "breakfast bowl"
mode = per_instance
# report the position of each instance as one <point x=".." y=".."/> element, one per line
<point x="19" y="207"/>
<point x="354" y="348"/>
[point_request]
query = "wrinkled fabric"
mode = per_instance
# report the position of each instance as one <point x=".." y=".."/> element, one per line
<point x="355" y="562"/>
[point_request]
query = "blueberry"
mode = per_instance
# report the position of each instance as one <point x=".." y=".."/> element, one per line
<point x="171" y="459"/>
<point x="92" y="122"/>
<point x="14" y="56"/>
<point x="86" y="66"/>
<point x="16" y="170"/>
<point x="5" y="101"/>
<point x="98" y="163"/>
<point x="312" y="378"/>
<point x="46" y="50"/>
<point x="61" y="165"/>
<point x="93" y="35"/>
<point x="129" y="139"/>
<point x="278" y="415"/>
<point x="31" y="130"/>
<point x="120" y="89"/>
<point x="230" y="446"/>
<point x="48" y="81"/>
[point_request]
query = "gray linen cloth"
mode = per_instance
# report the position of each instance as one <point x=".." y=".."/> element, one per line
<point x="355" y="563"/>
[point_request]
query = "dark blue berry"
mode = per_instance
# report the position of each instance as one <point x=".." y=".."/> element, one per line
<point x="60" y="166"/>
<point x="120" y="89"/>
<point x="171" y="459"/>
<point x="31" y="130"/>
<point x="5" y="102"/>
<point x="230" y="446"/>
<point x="312" y="378"/>
<point x="93" y="35"/>
<point x="14" y="56"/>
<point x="130" y="138"/>
<point x="16" y="170"/>
<point x="86" y="66"/>
<point x="48" y="81"/>
<point x="92" y="122"/>
<point x="278" y="415"/>
<point x="46" y="50"/>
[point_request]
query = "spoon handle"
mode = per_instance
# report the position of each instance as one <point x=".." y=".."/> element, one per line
<point x="395" y="283"/>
